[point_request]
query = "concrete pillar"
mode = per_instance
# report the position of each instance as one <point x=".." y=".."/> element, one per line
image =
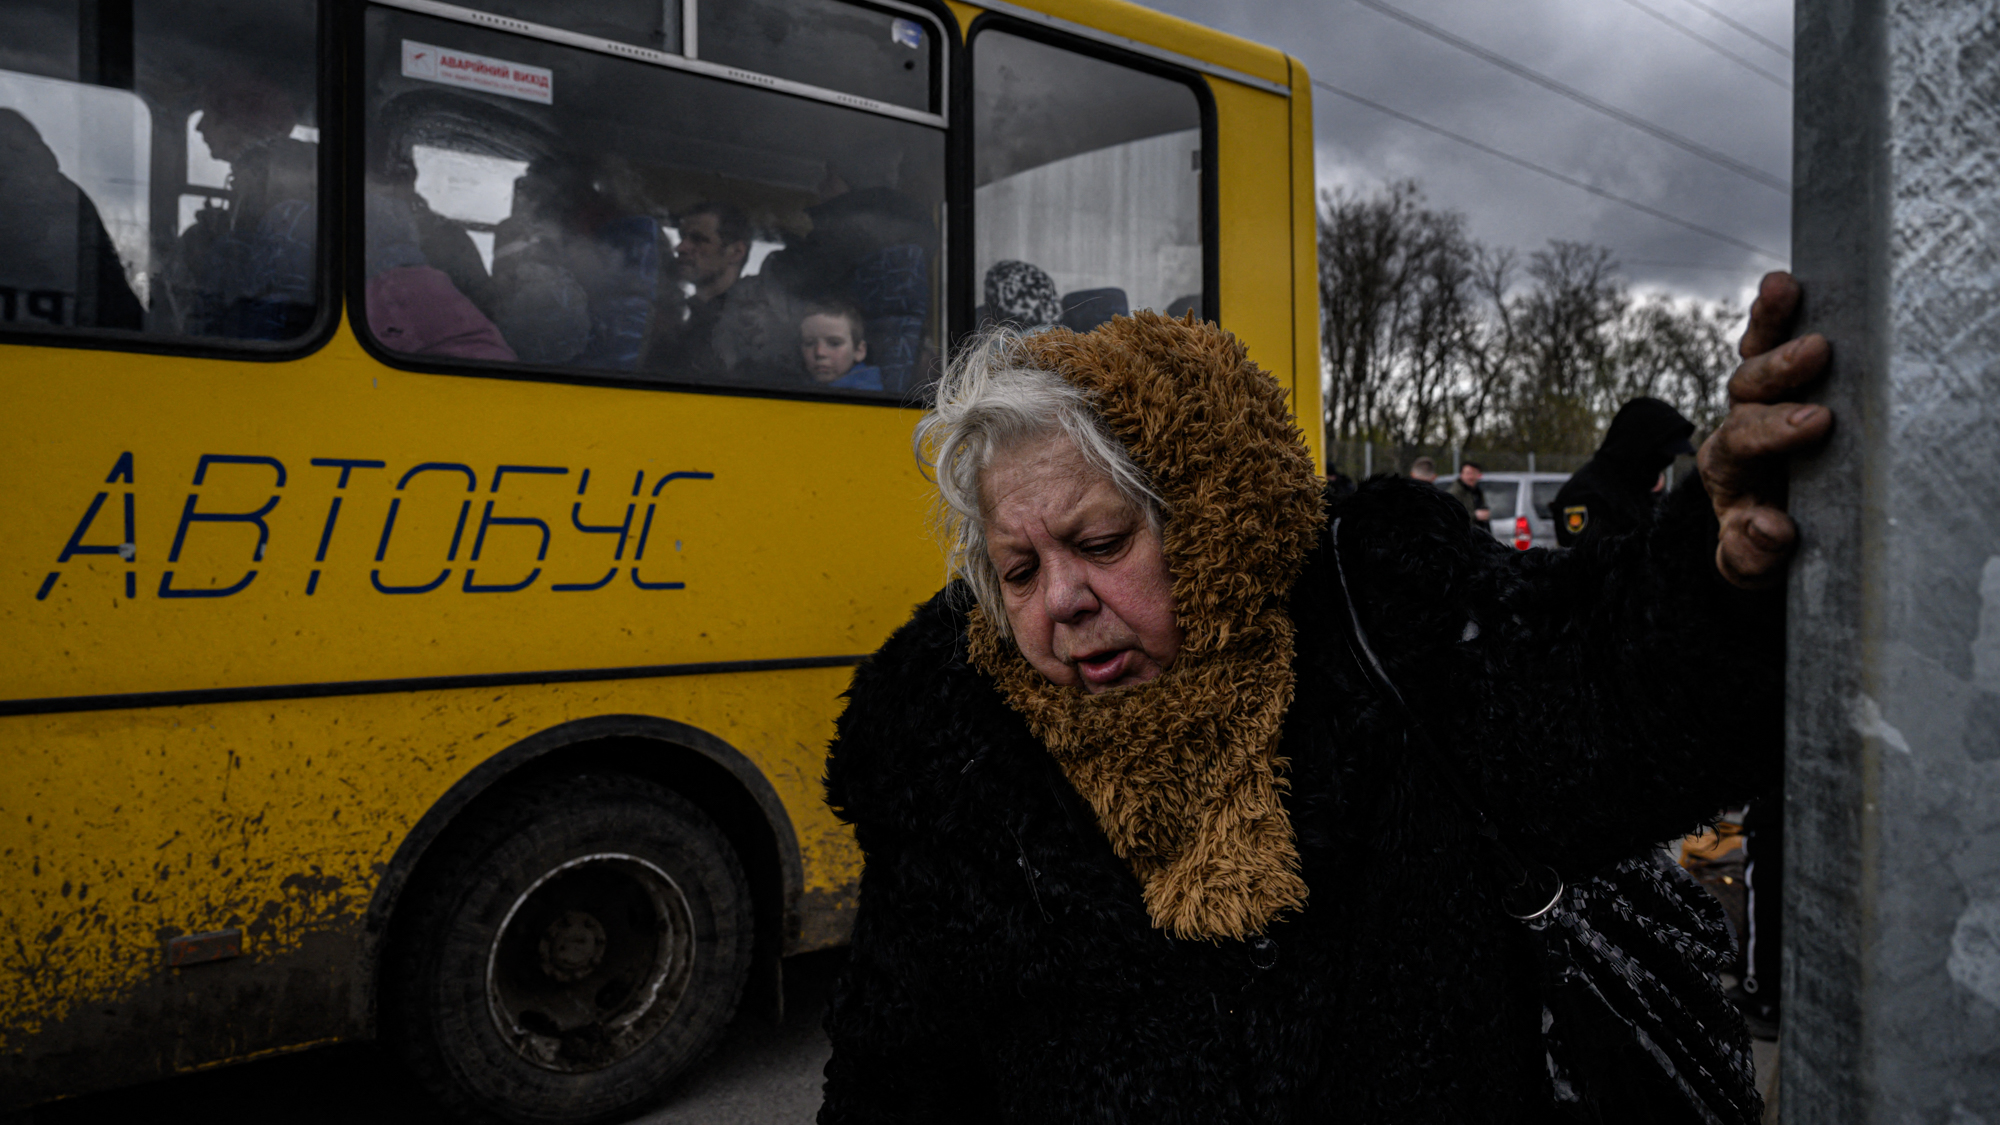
<point x="1892" y="898"/>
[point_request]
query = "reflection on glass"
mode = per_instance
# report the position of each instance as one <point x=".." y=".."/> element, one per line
<point x="869" y="52"/>
<point x="643" y="23"/>
<point x="694" y="243"/>
<point x="1087" y="202"/>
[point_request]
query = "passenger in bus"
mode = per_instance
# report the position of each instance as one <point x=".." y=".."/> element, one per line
<point x="412" y="306"/>
<point x="833" y="342"/>
<point x="1020" y="296"/>
<point x="576" y="276"/>
<point x="714" y="245"/>
<point x="741" y="328"/>
<point x="252" y="264"/>
<point x="445" y="244"/>
<point x="1202" y="795"/>
<point x="57" y="265"/>
<point x="872" y="241"/>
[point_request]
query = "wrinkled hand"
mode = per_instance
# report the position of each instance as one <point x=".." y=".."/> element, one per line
<point x="1743" y="462"/>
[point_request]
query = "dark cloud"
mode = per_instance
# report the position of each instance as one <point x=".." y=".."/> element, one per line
<point x="1607" y="49"/>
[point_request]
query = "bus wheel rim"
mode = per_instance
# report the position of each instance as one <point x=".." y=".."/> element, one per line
<point x="590" y="962"/>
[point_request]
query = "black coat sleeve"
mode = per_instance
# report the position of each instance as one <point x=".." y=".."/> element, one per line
<point x="904" y="1042"/>
<point x="902" y="1051"/>
<point x="1597" y="700"/>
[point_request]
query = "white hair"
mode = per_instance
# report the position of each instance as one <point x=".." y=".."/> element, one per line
<point x="993" y="398"/>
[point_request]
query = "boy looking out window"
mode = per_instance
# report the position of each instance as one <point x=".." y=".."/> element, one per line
<point x="833" y="343"/>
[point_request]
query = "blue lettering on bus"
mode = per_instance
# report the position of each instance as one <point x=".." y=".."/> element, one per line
<point x="491" y="521"/>
<point x="191" y="516"/>
<point x="346" y="465"/>
<point x="647" y="530"/>
<point x="121" y="473"/>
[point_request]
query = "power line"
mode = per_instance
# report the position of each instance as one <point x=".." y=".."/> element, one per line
<point x="1778" y="47"/>
<point x="1549" y="172"/>
<point x="1659" y="264"/>
<point x="1711" y="44"/>
<point x="1581" y="98"/>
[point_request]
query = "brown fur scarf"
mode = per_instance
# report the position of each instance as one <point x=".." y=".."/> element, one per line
<point x="1183" y="772"/>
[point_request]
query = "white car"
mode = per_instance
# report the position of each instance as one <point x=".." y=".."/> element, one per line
<point x="1520" y="506"/>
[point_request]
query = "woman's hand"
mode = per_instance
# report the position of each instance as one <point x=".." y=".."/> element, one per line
<point x="1743" y="462"/>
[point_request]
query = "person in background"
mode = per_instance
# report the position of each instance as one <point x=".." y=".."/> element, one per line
<point x="1020" y="294"/>
<point x="1337" y="482"/>
<point x="1615" y="489"/>
<point x="714" y="246"/>
<point x="833" y="341"/>
<point x="538" y="302"/>
<point x="1616" y="492"/>
<point x="445" y="244"/>
<point x="414" y="307"/>
<point x="1465" y="489"/>
<point x="252" y="264"/>
<point x="577" y="274"/>
<point x="1424" y="469"/>
<point x="57" y="264"/>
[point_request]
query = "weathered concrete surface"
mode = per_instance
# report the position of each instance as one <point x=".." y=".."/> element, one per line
<point x="1892" y="973"/>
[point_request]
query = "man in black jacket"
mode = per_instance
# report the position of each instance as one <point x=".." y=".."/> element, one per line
<point x="1614" y="490"/>
<point x="1465" y="489"/>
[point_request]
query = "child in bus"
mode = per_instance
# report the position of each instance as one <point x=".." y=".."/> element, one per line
<point x="833" y="342"/>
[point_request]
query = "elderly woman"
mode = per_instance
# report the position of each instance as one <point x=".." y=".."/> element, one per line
<point x="1179" y="805"/>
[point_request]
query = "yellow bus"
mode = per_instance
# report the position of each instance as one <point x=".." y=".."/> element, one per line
<point x="455" y="454"/>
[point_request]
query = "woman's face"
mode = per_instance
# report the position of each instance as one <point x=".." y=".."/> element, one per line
<point x="1082" y="576"/>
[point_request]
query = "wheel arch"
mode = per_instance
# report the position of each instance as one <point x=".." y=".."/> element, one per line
<point x="707" y="770"/>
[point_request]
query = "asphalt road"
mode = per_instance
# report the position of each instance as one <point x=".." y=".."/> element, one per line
<point x="761" y="1074"/>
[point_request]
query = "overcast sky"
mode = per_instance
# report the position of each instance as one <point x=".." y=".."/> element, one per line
<point x="1611" y="51"/>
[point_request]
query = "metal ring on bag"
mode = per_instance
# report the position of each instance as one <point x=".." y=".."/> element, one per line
<point x="1536" y="894"/>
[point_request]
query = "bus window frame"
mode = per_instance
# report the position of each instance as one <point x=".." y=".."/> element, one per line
<point x="1211" y="206"/>
<point x="951" y="52"/>
<point x="327" y="255"/>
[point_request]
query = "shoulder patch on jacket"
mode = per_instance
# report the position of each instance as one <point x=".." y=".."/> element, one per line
<point x="1575" y="519"/>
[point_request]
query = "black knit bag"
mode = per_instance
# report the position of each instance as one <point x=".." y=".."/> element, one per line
<point x="1634" y="1022"/>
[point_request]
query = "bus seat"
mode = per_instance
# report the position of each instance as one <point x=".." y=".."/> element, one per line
<point x="892" y="288"/>
<point x="1085" y="309"/>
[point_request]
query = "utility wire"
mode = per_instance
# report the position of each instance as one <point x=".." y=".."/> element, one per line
<point x="1712" y="45"/>
<point x="1778" y="47"/>
<point x="1549" y="172"/>
<point x="1579" y="97"/>
<point x="1679" y="265"/>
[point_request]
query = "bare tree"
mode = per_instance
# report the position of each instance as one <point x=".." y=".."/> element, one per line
<point x="1569" y="317"/>
<point x="1395" y="308"/>
<point x="1492" y="349"/>
<point x="1430" y="339"/>
<point x="1682" y="352"/>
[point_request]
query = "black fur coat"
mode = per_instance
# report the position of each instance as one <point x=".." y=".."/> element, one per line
<point x="1597" y="702"/>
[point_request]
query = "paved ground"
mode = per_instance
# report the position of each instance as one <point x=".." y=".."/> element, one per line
<point x="761" y="1074"/>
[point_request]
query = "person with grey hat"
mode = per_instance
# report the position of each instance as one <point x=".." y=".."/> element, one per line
<point x="1614" y="490"/>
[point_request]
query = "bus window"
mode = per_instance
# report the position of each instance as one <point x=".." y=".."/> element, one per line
<point x="517" y="211"/>
<point x="103" y="120"/>
<point x="1087" y="201"/>
<point x="886" y="56"/>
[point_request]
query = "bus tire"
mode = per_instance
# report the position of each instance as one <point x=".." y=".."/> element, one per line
<point x="566" y="951"/>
